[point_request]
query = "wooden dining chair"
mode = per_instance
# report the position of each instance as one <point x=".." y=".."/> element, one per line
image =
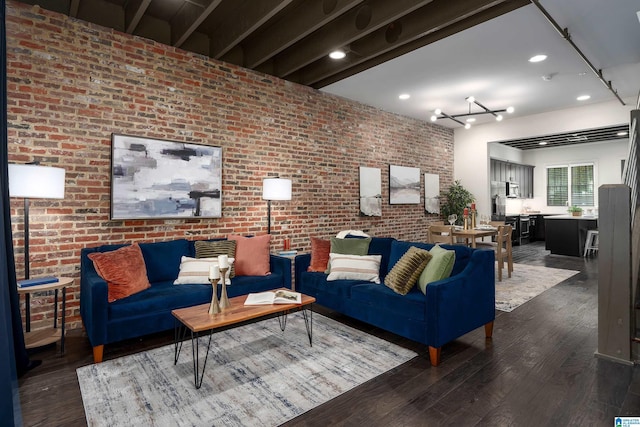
<point x="441" y="234"/>
<point x="503" y="249"/>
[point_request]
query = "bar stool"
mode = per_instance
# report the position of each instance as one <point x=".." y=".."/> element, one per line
<point x="591" y="242"/>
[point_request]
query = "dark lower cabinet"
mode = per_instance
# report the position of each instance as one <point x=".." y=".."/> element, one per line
<point x="566" y="236"/>
<point x="537" y="230"/>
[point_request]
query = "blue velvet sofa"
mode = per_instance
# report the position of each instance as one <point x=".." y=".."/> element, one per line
<point x="451" y="307"/>
<point x="149" y="311"/>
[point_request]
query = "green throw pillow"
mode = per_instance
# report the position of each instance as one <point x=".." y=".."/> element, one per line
<point x="349" y="247"/>
<point x="439" y="267"/>
<point x="404" y="275"/>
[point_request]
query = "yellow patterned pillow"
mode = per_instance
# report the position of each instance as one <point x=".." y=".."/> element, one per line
<point x="404" y="275"/>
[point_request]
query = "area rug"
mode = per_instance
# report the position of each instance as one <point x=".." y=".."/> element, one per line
<point x="526" y="282"/>
<point x="256" y="375"/>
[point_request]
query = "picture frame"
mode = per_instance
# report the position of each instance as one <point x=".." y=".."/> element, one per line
<point x="432" y="193"/>
<point x="155" y="178"/>
<point x="370" y="191"/>
<point x="404" y="185"/>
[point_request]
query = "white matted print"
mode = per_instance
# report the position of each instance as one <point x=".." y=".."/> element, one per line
<point x="404" y="185"/>
<point x="154" y="178"/>
<point x="370" y="191"/>
<point x="432" y="193"/>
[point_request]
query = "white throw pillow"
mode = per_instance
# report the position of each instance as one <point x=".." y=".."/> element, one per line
<point x="196" y="271"/>
<point x="354" y="267"/>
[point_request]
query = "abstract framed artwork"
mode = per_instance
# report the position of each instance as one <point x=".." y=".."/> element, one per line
<point x="370" y="191"/>
<point x="404" y="185"/>
<point x="155" y="178"/>
<point x="432" y="193"/>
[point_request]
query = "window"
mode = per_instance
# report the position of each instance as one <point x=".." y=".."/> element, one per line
<point x="570" y="185"/>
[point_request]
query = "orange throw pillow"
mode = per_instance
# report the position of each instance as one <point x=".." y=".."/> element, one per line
<point x="123" y="269"/>
<point x="319" y="255"/>
<point x="252" y="255"/>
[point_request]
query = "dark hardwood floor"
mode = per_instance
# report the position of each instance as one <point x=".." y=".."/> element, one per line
<point x="538" y="370"/>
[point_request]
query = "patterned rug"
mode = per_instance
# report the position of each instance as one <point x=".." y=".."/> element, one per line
<point x="256" y="375"/>
<point x="526" y="282"/>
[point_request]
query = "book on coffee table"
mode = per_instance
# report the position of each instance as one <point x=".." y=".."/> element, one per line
<point x="277" y="297"/>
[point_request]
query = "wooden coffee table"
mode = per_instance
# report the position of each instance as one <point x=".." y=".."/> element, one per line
<point x="197" y="320"/>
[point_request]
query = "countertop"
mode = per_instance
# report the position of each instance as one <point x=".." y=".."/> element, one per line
<point x="584" y="217"/>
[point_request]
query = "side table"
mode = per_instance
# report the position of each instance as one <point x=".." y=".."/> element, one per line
<point x="46" y="336"/>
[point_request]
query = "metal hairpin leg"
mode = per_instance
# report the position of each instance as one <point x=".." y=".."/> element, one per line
<point x="308" y="323"/>
<point x="196" y="357"/>
<point x="179" y="334"/>
<point x="282" y="320"/>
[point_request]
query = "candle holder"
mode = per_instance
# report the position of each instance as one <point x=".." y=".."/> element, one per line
<point x="214" y="307"/>
<point x="473" y="218"/>
<point x="466" y="221"/>
<point x="224" y="300"/>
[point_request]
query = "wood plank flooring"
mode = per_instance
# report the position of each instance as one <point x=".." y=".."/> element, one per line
<point x="538" y="370"/>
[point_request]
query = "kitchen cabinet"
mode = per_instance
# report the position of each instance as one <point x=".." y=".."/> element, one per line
<point x="502" y="171"/>
<point x="565" y="235"/>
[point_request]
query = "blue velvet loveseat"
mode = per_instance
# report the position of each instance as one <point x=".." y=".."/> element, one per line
<point x="149" y="311"/>
<point x="450" y="308"/>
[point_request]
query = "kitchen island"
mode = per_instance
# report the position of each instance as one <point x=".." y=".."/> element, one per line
<point x="566" y="234"/>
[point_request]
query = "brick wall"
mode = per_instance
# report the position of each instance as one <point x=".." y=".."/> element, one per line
<point x="72" y="84"/>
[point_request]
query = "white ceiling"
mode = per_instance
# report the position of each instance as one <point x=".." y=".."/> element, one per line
<point x="490" y="62"/>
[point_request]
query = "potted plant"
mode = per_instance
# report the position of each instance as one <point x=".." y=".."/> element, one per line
<point x="575" y="210"/>
<point x="455" y="200"/>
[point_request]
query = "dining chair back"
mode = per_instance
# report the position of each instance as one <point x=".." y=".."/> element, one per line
<point x="503" y="249"/>
<point x="441" y="234"/>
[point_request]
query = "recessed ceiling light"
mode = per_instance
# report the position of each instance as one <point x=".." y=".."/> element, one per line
<point x="542" y="143"/>
<point x="337" y="54"/>
<point x="623" y="133"/>
<point x="538" y="58"/>
<point x="583" y="97"/>
<point x="404" y="96"/>
<point x="471" y="119"/>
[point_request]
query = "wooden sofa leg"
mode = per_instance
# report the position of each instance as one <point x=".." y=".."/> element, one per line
<point x="488" y="329"/>
<point x="434" y="355"/>
<point x="97" y="353"/>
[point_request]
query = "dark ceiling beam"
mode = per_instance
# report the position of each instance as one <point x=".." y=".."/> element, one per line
<point x="133" y="12"/>
<point x="73" y="8"/>
<point x="293" y="27"/>
<point x="347" y="28"/>
<point x="188" y="19"/>
<point x="236" y="28"/>
<point x="431" y="18"/>
<point x="326" y="71"/>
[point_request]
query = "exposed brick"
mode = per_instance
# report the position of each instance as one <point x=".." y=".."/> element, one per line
<point x="69" y="91"/>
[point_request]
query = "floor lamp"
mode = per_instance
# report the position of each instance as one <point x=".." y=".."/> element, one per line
<point x="275" y="189"/>
<point x="33" y="181"/>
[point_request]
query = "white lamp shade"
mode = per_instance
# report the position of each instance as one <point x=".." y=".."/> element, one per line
<point x="34" y="181"/>
<point x="276" y="189"/>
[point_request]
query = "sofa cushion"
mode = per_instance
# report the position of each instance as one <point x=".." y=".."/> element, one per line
<point x="163" y="259"/>
<point x="359" y="246"/>
<point x="123" y="269"/>
<point x="405" y="273"/>
<point x="409" y="306"/>
<point x="320" y="249"/>
<point x="438" y="268"/>
<point x="355" y="267"/>
<point x="314" y="283"/>
<point x="252" y="255"/>
<point x="382" y="246"/>
<point x="214" y="248"/>
<point x="196" y="270"/>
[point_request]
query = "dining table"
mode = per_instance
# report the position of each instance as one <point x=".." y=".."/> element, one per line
<point x="472" y="234"/>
